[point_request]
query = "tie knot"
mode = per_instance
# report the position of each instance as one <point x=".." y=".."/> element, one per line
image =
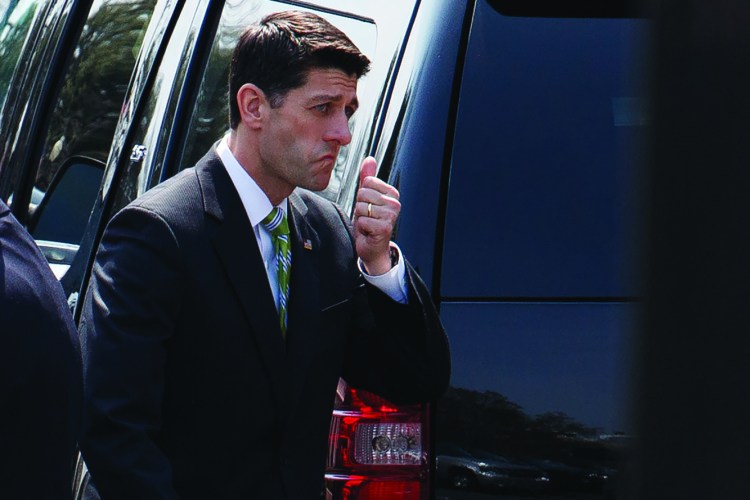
<point x="276" y="222"/>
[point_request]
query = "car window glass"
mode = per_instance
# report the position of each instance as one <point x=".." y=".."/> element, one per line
<point x="16" y="20"/>
<point x="210" y="118"/>
<point x="83" y="119"/>
<point x="541" y="182"/>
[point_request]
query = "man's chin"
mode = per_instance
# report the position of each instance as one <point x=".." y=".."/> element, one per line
<point x="318" y="184"/>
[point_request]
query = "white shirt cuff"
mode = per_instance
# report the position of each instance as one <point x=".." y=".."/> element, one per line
<point x="392" y="283"/>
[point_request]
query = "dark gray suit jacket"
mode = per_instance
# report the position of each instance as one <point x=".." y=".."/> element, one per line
<point x="190" y="390"/>
<point x="40" y="372"/>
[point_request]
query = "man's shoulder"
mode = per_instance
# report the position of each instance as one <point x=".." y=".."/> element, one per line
<point x="182" y="193"/>
<point x="318" y="206"/>
<point x="17" y="247"/>
<point x="29" y="286"/>
<point x="179" y="189"/>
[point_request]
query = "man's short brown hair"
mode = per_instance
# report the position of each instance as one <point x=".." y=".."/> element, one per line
<point x="277" y="53"/>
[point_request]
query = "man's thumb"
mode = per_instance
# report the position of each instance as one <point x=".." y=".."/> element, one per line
<point x="369" y="167"/>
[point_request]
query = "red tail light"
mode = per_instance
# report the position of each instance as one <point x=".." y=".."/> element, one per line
<point x="374" y="489"/>
<point x="376" y="449"/>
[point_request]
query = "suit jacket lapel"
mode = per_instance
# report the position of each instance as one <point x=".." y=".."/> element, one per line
<point x="304" y="295"/>
<point x="238" y="252"/>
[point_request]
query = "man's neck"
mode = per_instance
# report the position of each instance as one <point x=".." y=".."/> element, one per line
<point x="250" y="162"/>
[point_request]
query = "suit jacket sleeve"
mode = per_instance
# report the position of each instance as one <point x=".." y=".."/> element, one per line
<point x="128" y="317"/>
<point x="398" y="351"/>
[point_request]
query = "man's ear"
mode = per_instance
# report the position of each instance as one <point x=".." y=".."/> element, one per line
<point x="253" y="104"/>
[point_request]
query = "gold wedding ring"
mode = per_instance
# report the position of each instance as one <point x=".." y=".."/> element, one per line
<point x="369" y="209"/>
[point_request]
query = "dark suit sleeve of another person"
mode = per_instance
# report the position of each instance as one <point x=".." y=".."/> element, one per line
<point x="127" y="319"/>
<point x="40" y="372"/>
<point x="398" y="351"/>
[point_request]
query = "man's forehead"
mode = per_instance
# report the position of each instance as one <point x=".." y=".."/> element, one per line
<point x="329" y="80"/>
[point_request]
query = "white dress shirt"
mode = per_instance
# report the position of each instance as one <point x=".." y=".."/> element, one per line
<point x="258" y="206"/>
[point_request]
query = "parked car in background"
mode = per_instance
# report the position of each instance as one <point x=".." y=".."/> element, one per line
<point x="509" y="127"/>
<point x="478" y="470"/>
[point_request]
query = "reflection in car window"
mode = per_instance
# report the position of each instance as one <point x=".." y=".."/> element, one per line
<point x="542" y="387"/>
<point x="96" y="79"/>
<point x="16" y="20"/>
<point x="210" y="118"/>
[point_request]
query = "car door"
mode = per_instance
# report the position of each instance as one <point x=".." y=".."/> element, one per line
<point x="520" y="138"/>
<point x="62" y="97"/>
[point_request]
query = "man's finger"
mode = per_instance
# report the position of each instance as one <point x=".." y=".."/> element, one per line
<point x="369" y="167"/>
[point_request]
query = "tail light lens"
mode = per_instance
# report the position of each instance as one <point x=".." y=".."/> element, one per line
<point x="388" y="443"/>
<point x="376" y="449"/>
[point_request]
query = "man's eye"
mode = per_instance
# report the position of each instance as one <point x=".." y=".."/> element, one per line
<point x="322" y="107"/>
<point x="349" y="112"/>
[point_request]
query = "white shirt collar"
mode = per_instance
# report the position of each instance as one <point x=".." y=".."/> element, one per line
<point x="256" y="203"/>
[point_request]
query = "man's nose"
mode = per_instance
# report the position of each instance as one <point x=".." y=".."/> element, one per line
<point x="339" y="131"/>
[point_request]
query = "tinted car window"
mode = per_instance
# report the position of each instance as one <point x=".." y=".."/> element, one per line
<point x="542" y="175"/>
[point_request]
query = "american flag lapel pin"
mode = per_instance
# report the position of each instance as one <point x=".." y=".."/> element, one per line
<point x="307" y="244"/>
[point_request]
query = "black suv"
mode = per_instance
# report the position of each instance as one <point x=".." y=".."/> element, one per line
<point x="511" y="132"/>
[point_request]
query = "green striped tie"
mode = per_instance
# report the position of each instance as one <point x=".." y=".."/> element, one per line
<point x="278" y="226"/>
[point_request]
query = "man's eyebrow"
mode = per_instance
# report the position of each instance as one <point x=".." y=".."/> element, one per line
<point x="332" y="97"/>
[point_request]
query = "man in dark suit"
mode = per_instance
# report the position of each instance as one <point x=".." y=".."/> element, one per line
<point x="40" y="372"/>
<point x="205" y="375"/>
